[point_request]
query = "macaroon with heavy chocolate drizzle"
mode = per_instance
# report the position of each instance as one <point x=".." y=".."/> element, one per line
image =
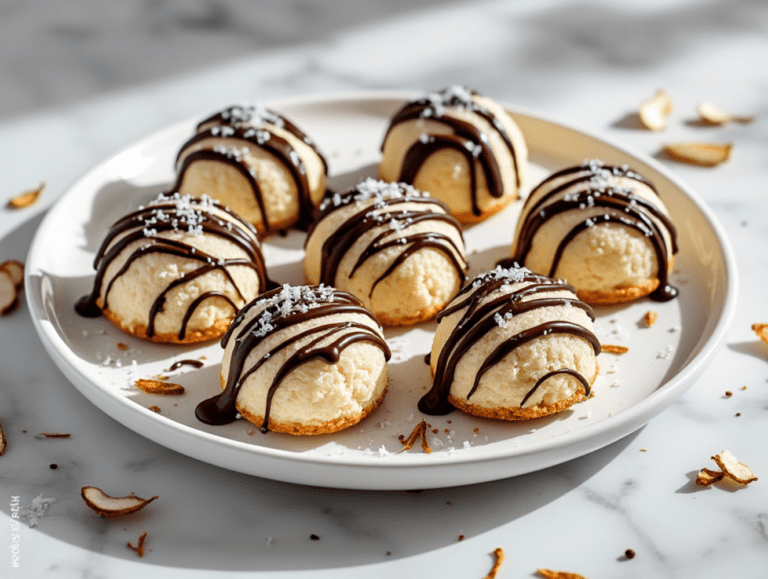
<point x="463" y="148"/>
<point x="603" y="228"/>
<point x="177" y="270"/>
<point x="394" y="247"/>
<point x="301" y="360"/>
<point x="256" y="162"/>
<point x="512" y="345"/>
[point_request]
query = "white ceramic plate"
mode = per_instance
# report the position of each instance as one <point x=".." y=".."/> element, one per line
<point x="663" y="361"/>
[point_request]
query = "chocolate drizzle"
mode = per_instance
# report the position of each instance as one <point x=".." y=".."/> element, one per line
<point x="278" y="310"/>
<point x="379" y="207"/>
<point x="175" y="213"/>
<point x="483" y="314"/>
<point x="464" y="138"/>
<point x="588" y="186"/>
<point x="245" y="127"/>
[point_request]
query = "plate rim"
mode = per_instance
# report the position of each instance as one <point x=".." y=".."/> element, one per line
<point x="620" y="424"/>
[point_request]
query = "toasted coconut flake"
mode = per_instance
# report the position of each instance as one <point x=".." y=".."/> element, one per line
<point x="108" y="506"/>
<point x="703" y="154"/>
<point x="155" y="409"/>
<point x="761" y="330"/>
<point x="419" y="432"/>
<point x="548" y="574"/>
<point x="53" y="435"/>
<point x="9" y="294"/>
<point x="3" y="442"/>
<point x="158" y="387"/>
<point x="655" y="112"/>
<point x="26" y="198"/>
<point x="16" y="270"/>
<point x="734" y="469"/>
<point x="498" y="553"/>
<point x="708" y="477"/>
<point x="139" y="548"/>
<point x="613" y="349"/>
<point x="650" y="318"/>
<point x="714" y="115"/>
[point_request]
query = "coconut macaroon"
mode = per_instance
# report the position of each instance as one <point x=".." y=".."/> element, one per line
<point x="512" y="345"/>
<point x="256" y="162"/>
<point x="177" y="270"/>
<point x="463" y="148"/>
<point x="392" y="246"/>
<point x="301" y="360"/>
<point x="602" y="228"/>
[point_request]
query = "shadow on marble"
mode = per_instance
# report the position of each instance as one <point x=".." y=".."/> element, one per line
<point x="755" y="348"/>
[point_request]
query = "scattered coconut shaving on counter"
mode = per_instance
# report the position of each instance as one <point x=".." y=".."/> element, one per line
<point x="613" y="349"/>
<point x="650" y="318"/>
<point x="549" y="574"/>
<point x="499" y="554"/>
<point x="702" y="154"/>
<point x="419" y="432"/>
<point x="762" y="331"/>
<point x="26" y="198"/>
<point x="108" y="506"/>
<point x="35" y="510"/>
<point x="714" y="115"/>
<point x="730" y="468"/>
<point x="654" y="113"/>
<point x="158" y="387"/>
<point x="139" y="548"/>
<point x="53" y="435"/>
<point x="3" y="442"/>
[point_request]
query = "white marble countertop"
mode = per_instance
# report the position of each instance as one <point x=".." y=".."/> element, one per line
<point x="82" y="82"/>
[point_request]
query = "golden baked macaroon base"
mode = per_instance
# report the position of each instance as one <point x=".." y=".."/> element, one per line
<point x="469" y="218"/>
<point x="621" y="294"/>
<point x="192" y="336"/>
<point x="518" y="413"/>
<point x="328" y="427"/>
<point x="422" y="316"/>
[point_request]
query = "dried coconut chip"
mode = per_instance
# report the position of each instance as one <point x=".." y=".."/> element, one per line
<point x="26" y="198"/>
<point x="9" y="293"/>
<point x="703" y="154"/>
<point x="734" y="469"/>
<point x="708" y="477"/>
<point x="650" y="318"/>
<point x="499" y="554"/>
<point x="655" y="111"/>
<point x="3" y="442"/>
<point x="139" y="548"/>
<point x="714" y="115"/>
<point x="761" y="330"/>
<point x="548" y="574"/>
<point x="613" y="349"/>
<point x="53" y="435"/>
<point x="158" y="387"/>
<point x="108" y="506"/>
<point x="419" y="432"/>
<point x="15" y="269"/>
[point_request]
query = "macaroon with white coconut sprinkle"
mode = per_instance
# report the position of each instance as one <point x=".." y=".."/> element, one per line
<point x="301" y="360"/>
<point x="177" y="270"/>
<point x="512" y="345"/>
<point x="394" y="247"/>
<point x="461" y="147"/>
<point x="603" y="228"/>
<point x="256" y="162"/>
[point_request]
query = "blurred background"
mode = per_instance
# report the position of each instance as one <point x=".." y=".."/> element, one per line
<point x="55" y="53"/>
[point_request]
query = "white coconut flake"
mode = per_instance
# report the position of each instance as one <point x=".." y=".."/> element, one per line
<point x="35" y="510"/>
